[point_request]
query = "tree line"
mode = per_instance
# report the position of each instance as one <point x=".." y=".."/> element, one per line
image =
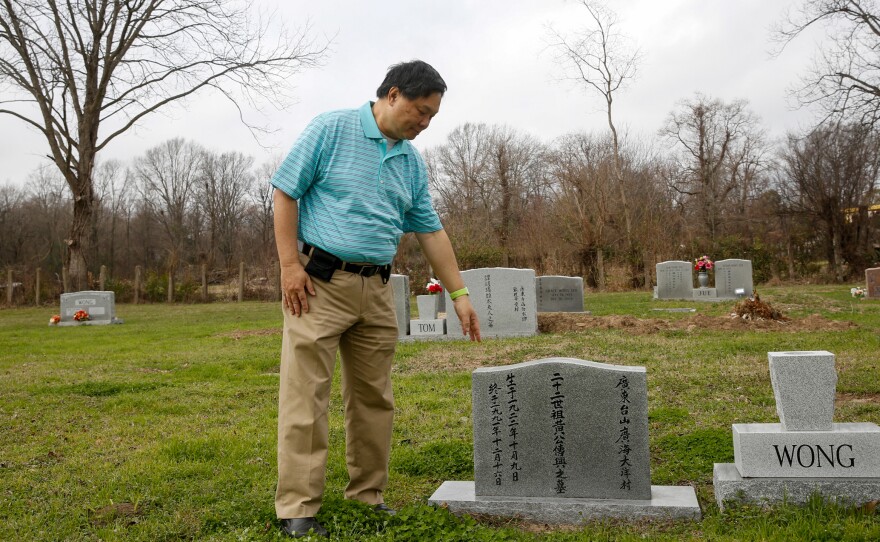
<point x="709" y="183"/>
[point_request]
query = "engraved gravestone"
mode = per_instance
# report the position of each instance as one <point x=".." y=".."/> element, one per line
<point x="560" y="294"/>
<point x="504" y="300"/>
<point x="872" y="283"/>
<point x="807" y="453"/>
<point x="400" y="289"/>
<point x="100" y="306"/>
<point x="563" y="440"/>
<point x="674" y="280"/>
<point x="732" y="275"/>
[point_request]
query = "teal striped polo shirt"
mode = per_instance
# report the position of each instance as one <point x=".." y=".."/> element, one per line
<point x="355" y="199"/>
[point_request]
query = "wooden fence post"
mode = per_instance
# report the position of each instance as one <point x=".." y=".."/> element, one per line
<point x="65" y="284"/>
<point x="37" y="292"/>
<point x="137" y="284"/>
<point x="9" y="287"/>
<point x="241" y="282"/>
<point x="102" y="279"/>
<point x="171" y="286"/>
<point x="204" y="283"/>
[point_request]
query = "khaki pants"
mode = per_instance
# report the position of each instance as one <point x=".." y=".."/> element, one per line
<point x="354" y="315"/>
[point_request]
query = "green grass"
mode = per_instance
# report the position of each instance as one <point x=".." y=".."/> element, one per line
<point x="164" y="428"/>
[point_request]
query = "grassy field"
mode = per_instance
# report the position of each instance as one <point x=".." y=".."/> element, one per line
<point x="164" y="428"/>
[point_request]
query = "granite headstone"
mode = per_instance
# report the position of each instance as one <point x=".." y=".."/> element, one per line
<point x="559" y="294"/>
<point x="675" y="280"/>
<point x="804" y="385"/>
<point x="872" y="283"/>
<point x="100" y="305"/>
<point x="732" y="275"/>
<point x="400" y="288"/>
<point x="504" y="300"/>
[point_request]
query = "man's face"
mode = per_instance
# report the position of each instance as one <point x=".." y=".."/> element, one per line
<point x="410" y="117"/>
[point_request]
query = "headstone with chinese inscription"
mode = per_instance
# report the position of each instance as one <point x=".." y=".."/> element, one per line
<point x="504" y="299"/>
<point x="400" y="289"/>
<point x="559" y="294"/>
<point x="733" y="278"/>
<point x="872" y="283"/>
<point x="563" y="440"/>
<point x="807" y="453"/>
<point x="675" y="280"/>
<point x="100" y="306"/>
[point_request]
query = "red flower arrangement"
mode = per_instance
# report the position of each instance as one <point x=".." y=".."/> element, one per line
<point x="703" y="264"/>
<point x="434" y="287"/>
<point x="81" y="316"/>
<point x="55" y="319"/>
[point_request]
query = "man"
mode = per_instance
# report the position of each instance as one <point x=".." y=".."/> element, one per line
<point x="350" y="187"/>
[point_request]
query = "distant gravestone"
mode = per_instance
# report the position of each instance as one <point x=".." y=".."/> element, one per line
<point x="872" y="282"/>
<point x="807" y="453"/>
<point x="559" y="294"/>
<point x="504" y="299"/>
<point x="400" y="288"/>
<point x="563" y="440"/>
<point x="100" y="306"/>
<point x="674" y="280"/>
<point x="732" y="275"/>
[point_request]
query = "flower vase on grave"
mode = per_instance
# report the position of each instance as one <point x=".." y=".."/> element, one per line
<point x="427" y="307"/>
<point x="703" y="279"/>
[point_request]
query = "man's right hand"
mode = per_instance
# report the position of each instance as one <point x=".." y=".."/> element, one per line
<point x="295" y="284"/>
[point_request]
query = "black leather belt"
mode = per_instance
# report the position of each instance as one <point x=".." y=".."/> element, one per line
<point x="363" y="270"/>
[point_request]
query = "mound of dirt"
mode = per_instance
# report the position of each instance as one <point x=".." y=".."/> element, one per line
<point x="566" y="322"/>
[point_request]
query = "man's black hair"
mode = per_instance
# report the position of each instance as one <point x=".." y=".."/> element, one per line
<point x="415" y="79"/>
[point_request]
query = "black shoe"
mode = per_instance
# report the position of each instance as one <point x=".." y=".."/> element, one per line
<point x="382" y="507"/>
<point x="302" y="527"/>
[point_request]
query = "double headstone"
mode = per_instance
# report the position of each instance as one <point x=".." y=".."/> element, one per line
<point x="559" y="294"/>
<point x="504" y="300"/>
<point x="100" y="307"/>
<point x="806" y="453"/>
<point x="563" y="441"/>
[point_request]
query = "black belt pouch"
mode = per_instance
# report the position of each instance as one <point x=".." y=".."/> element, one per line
<point x="322" y="264"/>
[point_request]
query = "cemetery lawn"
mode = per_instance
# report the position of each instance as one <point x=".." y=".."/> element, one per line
<point x="163" y="428"/>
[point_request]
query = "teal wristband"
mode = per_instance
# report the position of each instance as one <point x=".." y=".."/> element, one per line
<point x="458" y="293"/>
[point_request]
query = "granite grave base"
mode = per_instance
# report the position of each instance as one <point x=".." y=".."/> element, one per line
<point x="666" y="502"/>
<point x="730" y="487"/>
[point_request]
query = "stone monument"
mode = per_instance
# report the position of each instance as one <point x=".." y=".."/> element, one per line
<point x="563" y="441"/>
<point x="504" y="299"/>
<point x="400" y="289"/>
<point x="100" y="306"/>
<point x="733" y="276"/>
<point x="559" y="294"/>
<point x="872" y="283"/>
<point x="806" y="453"/>
<point x="675" y="280"/>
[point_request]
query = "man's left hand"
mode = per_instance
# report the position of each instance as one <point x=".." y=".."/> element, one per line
<point x="470" y="324"/>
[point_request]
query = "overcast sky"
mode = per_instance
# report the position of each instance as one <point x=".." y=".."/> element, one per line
<point x="493" y="55"/>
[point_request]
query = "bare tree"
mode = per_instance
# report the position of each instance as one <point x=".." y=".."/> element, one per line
<point x="260" y="211"/>
<point x="844" y="80"/>
<point x="720" y="147"/>
<point x="72" y="68"/>
<point x="225" y="179"/>
<point x="831" y="176"/>
<point x="168" y="178"/>
<point x="603" y="60"/>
